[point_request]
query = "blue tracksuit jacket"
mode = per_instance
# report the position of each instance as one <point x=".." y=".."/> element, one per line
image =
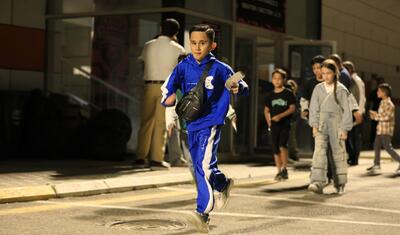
<point x="186" y="75"/>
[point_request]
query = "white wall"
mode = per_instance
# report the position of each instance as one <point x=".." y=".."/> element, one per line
<point x="368" y="33"/>
<point x="25" y="13"/>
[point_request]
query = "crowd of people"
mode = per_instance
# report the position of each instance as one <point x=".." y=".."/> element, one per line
<point x="333" y="102"/>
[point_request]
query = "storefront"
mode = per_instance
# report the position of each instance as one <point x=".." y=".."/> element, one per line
<point x="93" y="48"/>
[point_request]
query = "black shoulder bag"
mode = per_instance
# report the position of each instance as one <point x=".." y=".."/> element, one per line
<point x="190" y="106"/>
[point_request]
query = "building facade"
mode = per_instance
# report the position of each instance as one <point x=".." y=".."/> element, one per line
<point x="90" y="49"/>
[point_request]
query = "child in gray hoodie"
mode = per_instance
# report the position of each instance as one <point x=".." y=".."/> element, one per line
<point x="331" y="119"/>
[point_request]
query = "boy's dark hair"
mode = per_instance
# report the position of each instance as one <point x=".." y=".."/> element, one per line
<point x="337" y="59"/>
<point x="203" y="28"/>
<point x="386" y="88"/>
<point x="349" y="66"/>
<point x="170" y="27"/>
<point x="317" y="59"/>
<point x="281" y="72"/>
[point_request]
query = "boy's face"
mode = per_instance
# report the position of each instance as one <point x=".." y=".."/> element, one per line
<point x="381" y="94"/>
<point x="328" y="75"/>
<point x="277" y="80"/>
<point x="316" y="68"/>
<point x="200" y="45"/>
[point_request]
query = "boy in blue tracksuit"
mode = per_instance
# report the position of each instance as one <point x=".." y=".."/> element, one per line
<point x="204" y="132"/>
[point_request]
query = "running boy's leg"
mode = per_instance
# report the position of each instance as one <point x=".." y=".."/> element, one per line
<point x="203" y="147"/>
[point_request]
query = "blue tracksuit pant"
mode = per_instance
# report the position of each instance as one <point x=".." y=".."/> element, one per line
<point x="203" y="145"/>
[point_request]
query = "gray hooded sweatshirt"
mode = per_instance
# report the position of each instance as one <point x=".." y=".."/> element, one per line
<point x="323" y="102"/>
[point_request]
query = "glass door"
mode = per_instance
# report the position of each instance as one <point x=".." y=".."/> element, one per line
<point x="244" y="61"/>
<point x="297" y="57"/>
<point x="265" y="64"/>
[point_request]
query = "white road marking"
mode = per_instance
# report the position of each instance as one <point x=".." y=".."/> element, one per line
<point x="246" y="215"/>
<point x="300" y="201"/>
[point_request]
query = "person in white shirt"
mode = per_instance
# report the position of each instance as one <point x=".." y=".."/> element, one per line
<point x="160" y="58"/>
<point x="357" y="88"/>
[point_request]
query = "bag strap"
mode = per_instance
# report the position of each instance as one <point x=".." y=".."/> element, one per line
<point x="204" y="75"/>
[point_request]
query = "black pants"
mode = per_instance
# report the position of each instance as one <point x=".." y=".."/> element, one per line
<point x="374" y="124"/>
<point x="353" y="144"/>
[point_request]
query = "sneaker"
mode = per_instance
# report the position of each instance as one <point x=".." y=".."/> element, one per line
<point x="159" y="165"/>
<point x="278" y="177"/>
<point x="199" y="221"/>
<point x="222" y="198"/>
<point x="140" y="163"/>
<point x="315" y="188"/>
<point x="340" y="189"/>
<point x="284" y="174"/>
<point x="294" y="157"/>
<point x="374" y="170"/>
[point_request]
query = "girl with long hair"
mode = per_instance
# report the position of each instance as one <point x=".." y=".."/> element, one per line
<point x="331" y="119"/>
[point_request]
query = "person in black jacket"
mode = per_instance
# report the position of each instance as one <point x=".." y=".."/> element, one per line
<point x="344" y="75"/>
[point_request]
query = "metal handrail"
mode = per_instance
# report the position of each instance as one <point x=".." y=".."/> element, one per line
<point x="102" y="82"/>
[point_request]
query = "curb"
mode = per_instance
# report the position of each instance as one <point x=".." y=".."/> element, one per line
<point x="23" y="194"/>
<point x="89" y="188"/>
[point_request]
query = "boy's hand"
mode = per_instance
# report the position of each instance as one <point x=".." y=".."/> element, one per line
<point x="276" y="118"/>
<point x="358" y="117"/>
<point x="315" y="132"/>
<point x="304" y="114"/>
<point x="171" y="129"/>
<point x="235" y="87"/>
<point x="343" y="135"/>
<point x="372" y="114"/>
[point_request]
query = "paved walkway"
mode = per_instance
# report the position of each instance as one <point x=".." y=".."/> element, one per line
<point x="35" y="180"/>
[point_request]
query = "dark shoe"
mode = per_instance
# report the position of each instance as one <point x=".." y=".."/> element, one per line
<point x="222" y="198"/>
<point x="159" y="165"/>
<point x="294" y="157"/>
<point x="278" y="176"/>
<point x="352" y="163"/>
<point x="284" y="174"/>
<point x="340" y="189"/>
<point x="180" y="163"/>
<point x="199" y="221"/>
<point x="140" y="163"/>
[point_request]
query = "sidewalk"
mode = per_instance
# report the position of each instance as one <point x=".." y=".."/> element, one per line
<point x="41" y="180"/>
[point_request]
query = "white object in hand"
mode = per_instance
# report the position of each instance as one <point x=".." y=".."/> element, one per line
<point x="234" y="79"/>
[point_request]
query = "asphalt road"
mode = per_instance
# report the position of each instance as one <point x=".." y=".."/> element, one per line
<point x="369" y="206"/>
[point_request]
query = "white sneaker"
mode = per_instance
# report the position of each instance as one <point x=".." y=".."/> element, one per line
<point x="223" y="197"/>
<point x="199" y="221"/>
<point x="316" y="188"/>
<point x="374" y="170"/>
